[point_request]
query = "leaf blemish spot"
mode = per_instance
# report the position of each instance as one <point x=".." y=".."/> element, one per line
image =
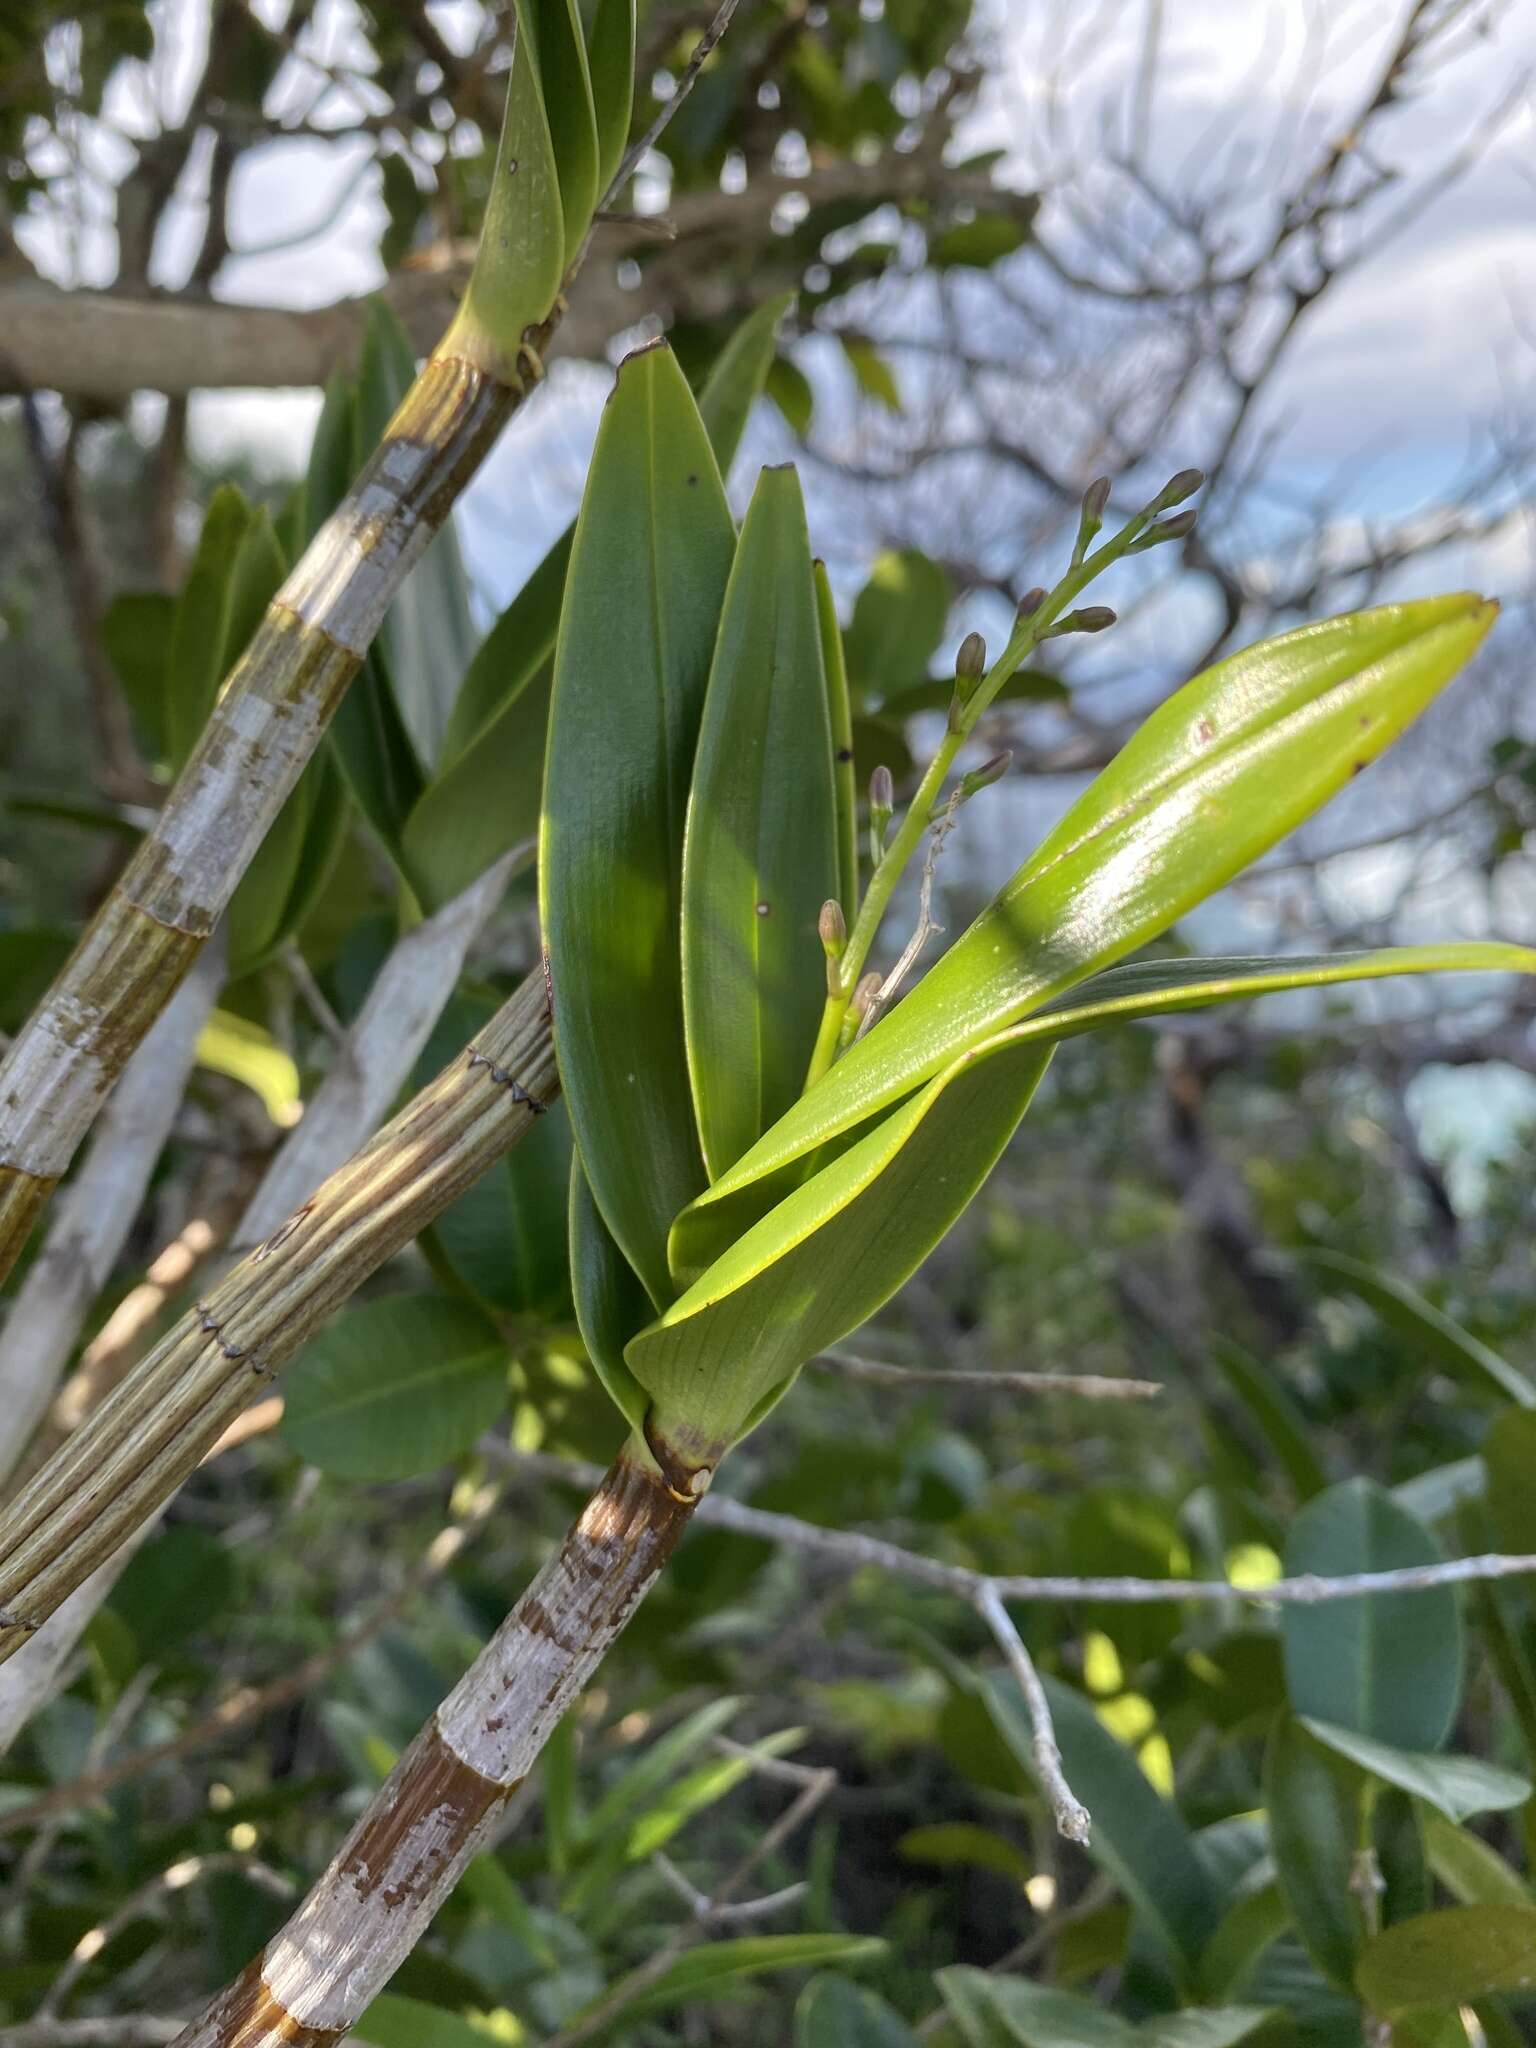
<point x="763" y="909"/>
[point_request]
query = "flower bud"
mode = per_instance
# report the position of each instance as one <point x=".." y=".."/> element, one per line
<point x="982" y="777"/>
<point x="1176" y="528"/>
<point x="971" y="660"/>
<point x="833" y="928"/>
<point x="1177" y="489"/>
<point x="1095" y="498"/>
<point x="1093" y="618"/>
<point x="1031" y="602"/>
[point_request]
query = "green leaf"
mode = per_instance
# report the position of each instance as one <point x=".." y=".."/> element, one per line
<point x="396" y="1387"/>
<point x="648" y="571"/>
<point x="840" y="721"/>
<point x="1457" y="1786"/>
<point x="179" y="1582"/>
<point x="611" y="59"/>
<point x="505" y="1237"/>
<point x="760" y="848"/>
<point x="1274" y="1413"/>
<point x="484" y="798"/>
<point x="611" y="1301"/>
<point x="834" y="2012"/>
<point x="1231" y="763"/>
<point x="825" y="1259"/>
<point x="977" y="244"/>
<point x="1509" y="1457"/>
<point x="995" y="2011"/>
<point x="567" y="90"/>
<point x="1449" y="1958"/>
<point x="1431" y="1334"/>
<point x="1121" y="995"/>
<point x="738" y="375"/>
<point x="395" y="2022"/>
<point x="136" y="632"/>
<point x="789" y="388"/>
<point x="1313" y="1808"/>
<point x="521" y="258"/>
<point x="201" y="629"/>
<point x="698" y="1791"/>
<point x="703" y="1971"/>
<point x="1472" y="1872"/>
<point x="644" y="1779"/>
<point x="958" y="1841"/>
<point x="898" y="621"/>
<point x="1386" y="1665"/>
<point x="871" y="372"/>
<point x="1249" y="1928"/>
<point x="1138" y="1837"/>
<point x="374" y="752"/>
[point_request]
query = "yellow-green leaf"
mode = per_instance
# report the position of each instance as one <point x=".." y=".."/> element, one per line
<point x="1230" y="764"/>
<point x="760" y="848"/>
<point x="840" y="715"/>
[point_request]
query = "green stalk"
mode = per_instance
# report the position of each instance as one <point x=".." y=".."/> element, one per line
<point x="965" y="713"/>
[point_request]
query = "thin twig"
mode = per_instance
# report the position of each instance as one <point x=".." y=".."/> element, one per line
<point x="1085" y="1386"/>
<point x="1071" y="1816"/>
<point x="703" y="49"/>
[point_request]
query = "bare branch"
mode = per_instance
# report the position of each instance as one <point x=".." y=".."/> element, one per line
<point x="1085" y="1386"/>
<point x="1072" y="1818"/>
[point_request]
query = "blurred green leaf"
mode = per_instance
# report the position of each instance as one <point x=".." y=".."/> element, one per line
<point x="1265" y="1399"/>
<point x="394" y="2022"/>
<point x="1449" y="1958"/>
<point x="399" y="1386"/>
<point x="1471" y="1871"/>
<point x="898" y="621"/>
<point x="704" y="1971"/>
<point x="997" y="2011"/>
<point x="1509" y="1459"/>
<point x="1138" y="1837"/>
<point x="834" y="2012"/>
<point x="948" y="1842"/>
<point x="1432" y="1334"/>
<point x="610" y="1299"/>
<point x="872" y="372"/>
<point x="1386" y="1665"/>
<point x="977" y="243"/>
<point x="181" y="1580"/>
<point x="1313" y="1804"/>
<point x="1457" y="1786"/>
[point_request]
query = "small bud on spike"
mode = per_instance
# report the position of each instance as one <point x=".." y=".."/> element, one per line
<point x="1177" y="489"/>
<point x="882" y="801"/>
<point x="865" y="993"/>
<point x="1095" y="498"/>
<point x="1093" y="618"/>
<point x="1031" y="602"/>
<point x="971" y="661"/>
<point x="1176" y="528"/>
<point x="982" y="777"/>
<point x="833" y="927"/>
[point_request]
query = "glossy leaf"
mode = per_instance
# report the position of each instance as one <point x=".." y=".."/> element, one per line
<point x="1138" y="1837"/>
<point x="648" y="570"/>
<point x="1313" y="1806"/>
<point x="611" y="62"/>
<point x="1230" y="764"/>
<point x="1449" y="1958"/>
<point x="1386" y="1665"/>
<point x="398" y="1386"/>
<point x="1457" y="1786"/>
<point x="1121" y="995"/>
<point x="840" y="719"/>
<point x="521" y="258"/>
<point x="760" y="847"/>
<point x="834" y="2012"/>
<point x="611" y="1301"/>
<point x="567" y="89"/>
<point x="484" y="798"/>
<point x="1429" y="1332"/>
<point x="827" y="1257"/>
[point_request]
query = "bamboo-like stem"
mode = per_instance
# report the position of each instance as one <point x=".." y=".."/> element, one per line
<point x="132" y="1454"/>
<point x="264" y="729"/>
<point x="441" y="1803"/>
<point x="96" y="1214"/>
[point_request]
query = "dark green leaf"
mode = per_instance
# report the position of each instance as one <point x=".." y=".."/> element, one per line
<point x="1432" y="1335"/>
<point x="977" y="243"/>
<point x="1313" y="1805"/>
<point x="1458" y="1786"/>
<point x="840" y="721"/>
<point x="760" y="851"/>
<point x="1387" y="1665"/>
<point x="611" y="56"/>
<point x="708" y="1969"/>
<point x="505" y="1237"/>
<point x="648" y="571"/>
<point x="399" y="1386"/>
<point x="611" y="1301"/>
<point x="834" y="2012"/>
<point x="567" y="92"/>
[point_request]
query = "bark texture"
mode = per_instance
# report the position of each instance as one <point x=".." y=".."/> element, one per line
<point x="257" y="742"/>
<point x="440" y="1804"/>
<point x="145" y="1438"/>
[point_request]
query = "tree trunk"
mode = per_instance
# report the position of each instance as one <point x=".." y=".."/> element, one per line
<point x="440" y="1804"/>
